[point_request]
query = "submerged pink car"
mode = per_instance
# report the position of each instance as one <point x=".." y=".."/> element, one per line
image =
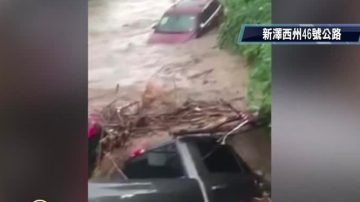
<point x="186" y="20"/>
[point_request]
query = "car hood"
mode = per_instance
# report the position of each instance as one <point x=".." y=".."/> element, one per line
<point x="171" y="37"/>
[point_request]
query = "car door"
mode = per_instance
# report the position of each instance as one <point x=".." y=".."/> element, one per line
<point x="225" y="175"/>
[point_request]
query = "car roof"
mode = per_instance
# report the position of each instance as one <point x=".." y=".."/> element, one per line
<point x="188" y="7"/>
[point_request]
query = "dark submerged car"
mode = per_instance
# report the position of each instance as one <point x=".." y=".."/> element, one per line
<point x="191" y="169"/>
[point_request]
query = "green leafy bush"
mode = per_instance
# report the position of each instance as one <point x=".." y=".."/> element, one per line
<point x="238" y="12"/>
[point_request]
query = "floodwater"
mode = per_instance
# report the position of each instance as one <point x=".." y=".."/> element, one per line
<point x="121" y="63"/>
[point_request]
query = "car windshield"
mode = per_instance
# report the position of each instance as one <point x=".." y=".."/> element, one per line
<point x="176" y="24"/>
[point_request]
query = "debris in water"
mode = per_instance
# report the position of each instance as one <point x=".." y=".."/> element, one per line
<point x="134" y="120"/>
<point x="203" y="73"/>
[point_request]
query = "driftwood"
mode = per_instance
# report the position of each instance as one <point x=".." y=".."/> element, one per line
<point x="132" y="120"/>
<point x="212" y="129"/>
<point x="206" y="72"/>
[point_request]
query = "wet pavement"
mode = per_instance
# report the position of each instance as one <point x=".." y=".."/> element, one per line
<point x="121" y="63"/>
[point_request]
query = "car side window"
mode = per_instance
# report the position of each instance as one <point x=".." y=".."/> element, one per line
<point x="209" y="11"/>
<point x="219" y="158"/>
<point x="213" y="6"/>
<point x="162" y="162"/>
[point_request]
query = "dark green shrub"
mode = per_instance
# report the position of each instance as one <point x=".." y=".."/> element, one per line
<point x="240" y="12"/>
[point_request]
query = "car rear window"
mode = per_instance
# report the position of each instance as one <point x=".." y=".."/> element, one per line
<point x="162" y="162"/>
<point x="176" y="24"/>
<point x="219" y="158"/>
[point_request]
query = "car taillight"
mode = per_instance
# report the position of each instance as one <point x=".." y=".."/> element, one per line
<point x="137" y="152"/>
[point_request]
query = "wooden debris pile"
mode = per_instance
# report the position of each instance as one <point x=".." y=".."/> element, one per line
<point x="120" y="124"/>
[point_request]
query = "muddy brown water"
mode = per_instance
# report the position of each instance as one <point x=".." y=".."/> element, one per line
<point x="120" y="56"/>
<point x="121" y="63"/>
